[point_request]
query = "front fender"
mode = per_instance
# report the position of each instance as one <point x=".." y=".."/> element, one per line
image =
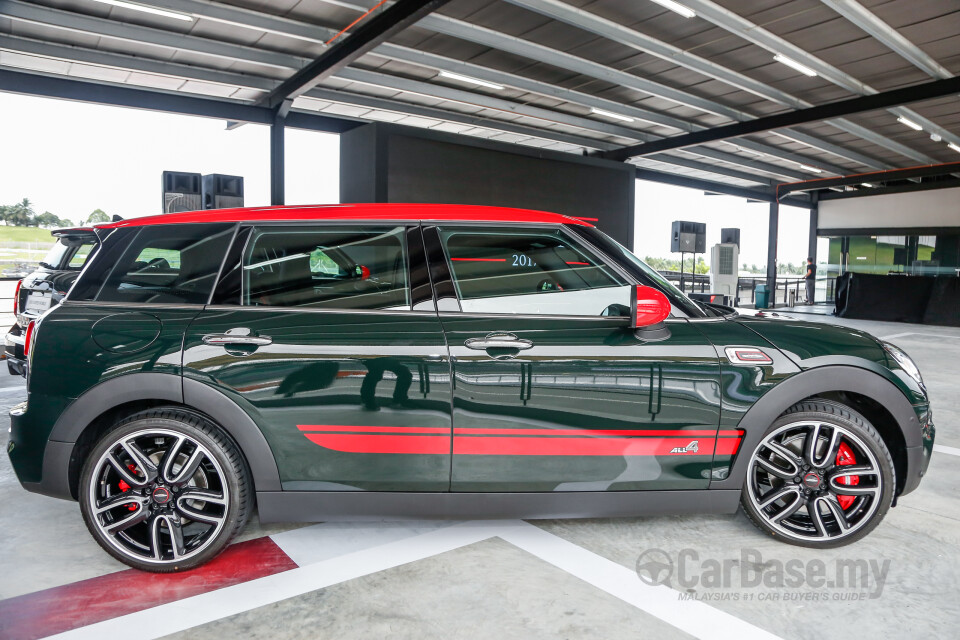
<point x="831" y="378"/>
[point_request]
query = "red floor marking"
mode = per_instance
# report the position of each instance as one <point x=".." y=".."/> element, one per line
<point x="44" y="613"/>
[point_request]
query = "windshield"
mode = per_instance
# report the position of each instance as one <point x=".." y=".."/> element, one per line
<point x="644" y="273"/>
<point x="68" y="253"/>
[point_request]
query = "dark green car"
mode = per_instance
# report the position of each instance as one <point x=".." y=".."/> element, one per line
<point x="390" y="361"/>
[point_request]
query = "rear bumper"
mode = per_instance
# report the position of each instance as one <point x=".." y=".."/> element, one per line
<point x="13" y="350"/>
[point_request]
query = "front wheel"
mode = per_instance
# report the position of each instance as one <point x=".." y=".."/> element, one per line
<point x="164" y="491"/>
<point x="821" y="477"/>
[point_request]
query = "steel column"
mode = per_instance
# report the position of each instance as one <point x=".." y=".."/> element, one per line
<point x="814" y="224"/>
<point x="772" y="251"/>
<point x="277" y="155"/>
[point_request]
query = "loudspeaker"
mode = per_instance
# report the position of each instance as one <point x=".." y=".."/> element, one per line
<point x="181" y="191"/>
<point x="689" y="237"/>
<point x="730" y="236"/>
<point x="222" y="192"/>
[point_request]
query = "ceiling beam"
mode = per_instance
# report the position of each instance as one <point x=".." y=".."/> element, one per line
<point x="874" y="176"/>
<point x="916" y="93"/>
<point x="717" y="187"/>
<point x="726" y="19"/>
<point x="368" y="35"/>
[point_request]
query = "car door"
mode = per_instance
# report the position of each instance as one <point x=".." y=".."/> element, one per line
<point x="327" y="335"/>
<point x="552" y="390"/>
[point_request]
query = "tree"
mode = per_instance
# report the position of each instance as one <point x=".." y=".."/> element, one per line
<point x="702" y="267"/>
<point x="20" y="214"/>
<point x="98" y="215"/>
<point x="47" y="219"/>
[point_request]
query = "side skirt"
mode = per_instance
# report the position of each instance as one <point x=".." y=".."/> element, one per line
<point x="318" y="506"/>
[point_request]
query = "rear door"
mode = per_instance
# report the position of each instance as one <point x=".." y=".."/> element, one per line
<point x="552" y="391"/>
<point x="327" y="335"/>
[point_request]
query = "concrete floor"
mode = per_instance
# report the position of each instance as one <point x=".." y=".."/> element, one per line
<point x="542" y="579"/>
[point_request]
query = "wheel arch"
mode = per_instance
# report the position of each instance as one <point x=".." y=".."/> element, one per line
<point x="883" y="399"/>
<point x="92" y="413"/>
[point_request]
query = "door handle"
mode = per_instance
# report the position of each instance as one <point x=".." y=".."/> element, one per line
<point x="237" y="336"/>
<point x="506" y="341"/>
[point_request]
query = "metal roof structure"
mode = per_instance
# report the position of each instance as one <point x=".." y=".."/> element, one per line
<point x="605" y="77"/>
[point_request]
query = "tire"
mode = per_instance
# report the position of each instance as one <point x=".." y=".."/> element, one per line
<point x="817" y="500"/>
<point x="165" y="490"/>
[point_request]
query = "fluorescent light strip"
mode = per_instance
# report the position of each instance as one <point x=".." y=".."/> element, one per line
<point x="793" y="64"/>
<point x="954" y="147"/>
<point x="676" y="7"/>
<point x="482" y="83"/>
<point x="145" y="9"/>
<point x="910" y="123"/>
<point x="807" y="167"/>
<point x="610" y="114"/>
<point x="870" y="184"/>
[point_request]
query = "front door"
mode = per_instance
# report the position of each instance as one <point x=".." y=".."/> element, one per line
<point x="331" y="342"/>
<point x="552" y="391"/>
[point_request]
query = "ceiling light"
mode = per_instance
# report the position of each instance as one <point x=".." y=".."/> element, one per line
<point x="145" y="9"/>
<point x="935" y="137"/>
<point x="676" y="7"/>
<point x="610" y="114"/>
<point x="954" y="147"/>
<point x="807" y="167"/>
<point x="869" y="184"/>
<point x="793" y="64"/>
<point x="910" y="123"/>
<point x="482" y="83"/>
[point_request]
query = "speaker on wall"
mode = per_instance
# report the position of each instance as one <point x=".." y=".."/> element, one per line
<point x="222" y="191"/>
<point x="181" y="191"/>
<point x="688" y="237"/>
<point x="730" y="236"/>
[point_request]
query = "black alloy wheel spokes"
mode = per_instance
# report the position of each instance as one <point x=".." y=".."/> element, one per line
<point x="159" y="496"/>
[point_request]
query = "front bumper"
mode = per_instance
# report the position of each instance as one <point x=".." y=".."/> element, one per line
<point x="918" y="458"/>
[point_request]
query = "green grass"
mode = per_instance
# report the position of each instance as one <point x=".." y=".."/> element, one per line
<point x="25" y="234"/>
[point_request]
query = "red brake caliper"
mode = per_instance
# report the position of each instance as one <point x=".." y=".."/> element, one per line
<point x="125" y="487"/>
<point x="845" y="457"/>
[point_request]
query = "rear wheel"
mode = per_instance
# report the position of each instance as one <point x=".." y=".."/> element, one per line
<point x="164" y="491"/>
<point x="821" y="477"/>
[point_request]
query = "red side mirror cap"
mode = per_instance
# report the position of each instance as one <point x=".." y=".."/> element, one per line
<point x="648" y="307"/>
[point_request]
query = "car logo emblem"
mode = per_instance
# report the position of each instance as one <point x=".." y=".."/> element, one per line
<point x="693" y="447"/>
<point x="811" y="480"/>
<point x="160" y="495"/>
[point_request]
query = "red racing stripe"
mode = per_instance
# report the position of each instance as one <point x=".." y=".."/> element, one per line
<point x="498" y="446"/>
<point x="44" y="613"/>
<point x="370" y="443"/>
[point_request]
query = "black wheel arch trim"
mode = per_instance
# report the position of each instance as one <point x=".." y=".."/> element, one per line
<point x="826" y="379"/>
<point x="153" y="387"/>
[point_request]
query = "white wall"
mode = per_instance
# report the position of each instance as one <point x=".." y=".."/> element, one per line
<point x="937" y="208"/>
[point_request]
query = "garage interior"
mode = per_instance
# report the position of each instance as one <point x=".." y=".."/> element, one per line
<point x="845" y="109"/>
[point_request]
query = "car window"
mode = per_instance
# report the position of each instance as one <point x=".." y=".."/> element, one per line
<point x="531" y="271"/>
<point x="331" y="268"/>
<point x="78" y="259"/>
<point x="163" y="264"/>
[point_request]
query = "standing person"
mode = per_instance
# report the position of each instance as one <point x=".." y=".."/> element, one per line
<point x="811" y="279"/>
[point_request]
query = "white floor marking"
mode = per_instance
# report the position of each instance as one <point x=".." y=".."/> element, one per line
<point x="319" y="542"/>
<point x="942" y="448"/>
<point x="696" y="618"/>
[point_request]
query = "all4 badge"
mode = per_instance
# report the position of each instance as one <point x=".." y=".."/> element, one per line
<point x="693" y="447"/>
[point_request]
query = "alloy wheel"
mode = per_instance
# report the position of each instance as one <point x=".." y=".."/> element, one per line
<point x="158" y="496"/>
<point x="814" y="481"/>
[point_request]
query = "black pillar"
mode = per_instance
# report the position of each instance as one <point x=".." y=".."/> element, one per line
<point x="814" y="223"/>
<point x="772" y="251"/>
<point x="277" y="150"/>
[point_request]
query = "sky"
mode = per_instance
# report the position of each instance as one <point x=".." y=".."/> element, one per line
<point x="70" y="158"/>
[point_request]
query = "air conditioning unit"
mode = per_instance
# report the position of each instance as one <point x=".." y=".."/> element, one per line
<point x="724" y="272"/>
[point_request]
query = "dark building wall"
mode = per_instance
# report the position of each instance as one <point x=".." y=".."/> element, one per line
<point x="390" y="163"/>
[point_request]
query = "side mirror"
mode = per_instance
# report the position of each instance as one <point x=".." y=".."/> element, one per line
<point x="648" y="309"/>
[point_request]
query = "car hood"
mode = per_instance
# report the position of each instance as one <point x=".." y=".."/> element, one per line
<point x="815" y="344"/>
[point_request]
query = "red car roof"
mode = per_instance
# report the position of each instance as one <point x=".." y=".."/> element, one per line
<point x="381" y="211"/>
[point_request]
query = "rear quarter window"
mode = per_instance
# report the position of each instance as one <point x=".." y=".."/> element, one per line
<point x="172" y="264"/>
